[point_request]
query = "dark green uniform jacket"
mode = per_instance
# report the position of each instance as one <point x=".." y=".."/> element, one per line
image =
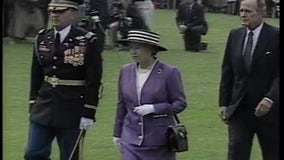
<point x="76" y="59"/>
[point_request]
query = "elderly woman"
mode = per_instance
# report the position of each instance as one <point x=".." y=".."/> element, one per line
<point x="149" y="94"/>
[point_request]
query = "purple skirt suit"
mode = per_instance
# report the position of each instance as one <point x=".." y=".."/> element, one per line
<point x="145" y="137"/>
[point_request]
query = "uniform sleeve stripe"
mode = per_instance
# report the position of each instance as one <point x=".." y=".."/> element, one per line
<point x="31" y="101"/>
<point x="90" y="106"/>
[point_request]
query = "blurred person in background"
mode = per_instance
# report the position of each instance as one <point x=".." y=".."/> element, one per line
<point x="231" y="6"/>
<point x="117" y="22"/>
<point x="125" y="19"/>
<point x="7" y="14"/>
<point x="146" y="9"/>
<point x="90" y="20"/>
<point x="20" y="27"/>
<point x="101" y="6"/>
<point x="190" y="20"/>
<point x="43" y="5"/>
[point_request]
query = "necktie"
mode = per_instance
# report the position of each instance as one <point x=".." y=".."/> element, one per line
<point x="57" y="40"/>
<point x="248" y="50"/>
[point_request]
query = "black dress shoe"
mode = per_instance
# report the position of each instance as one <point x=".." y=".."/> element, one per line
<point x="203" y="46"/>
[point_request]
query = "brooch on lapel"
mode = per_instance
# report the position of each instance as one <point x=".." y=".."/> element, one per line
<point x="267" y="52"/>
<point x="159" y="71"/>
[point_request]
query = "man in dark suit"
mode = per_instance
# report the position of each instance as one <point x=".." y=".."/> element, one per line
<point x="249" y="88"/>
<point x="190" y="19"/>
<point x="66" y="73"/>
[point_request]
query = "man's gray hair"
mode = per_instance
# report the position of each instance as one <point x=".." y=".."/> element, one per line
<point x="261" y="6"/>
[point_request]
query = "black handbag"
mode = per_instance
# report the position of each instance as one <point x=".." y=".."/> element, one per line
<point x="177" y="137"/>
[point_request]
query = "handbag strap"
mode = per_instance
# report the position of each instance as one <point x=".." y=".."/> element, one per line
<point x="176" y="119"/>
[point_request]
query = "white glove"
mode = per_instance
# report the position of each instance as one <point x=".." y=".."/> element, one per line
<point x="144" y="109"/>
<point x="116" y="141"/>
<point x="182" y="28"/>
<point x="114" y="24"/>
<point x="86" y="123"/>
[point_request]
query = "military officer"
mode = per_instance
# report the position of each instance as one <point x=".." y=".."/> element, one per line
<point x="66" y="73"/>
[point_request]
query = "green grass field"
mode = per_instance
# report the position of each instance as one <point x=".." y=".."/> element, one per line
<point x="200" y="71"/>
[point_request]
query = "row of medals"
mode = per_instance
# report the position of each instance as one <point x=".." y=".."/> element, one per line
<point x="75" y="56"/>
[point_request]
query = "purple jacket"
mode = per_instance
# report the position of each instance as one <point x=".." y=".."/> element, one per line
<point x="164" y="89"/>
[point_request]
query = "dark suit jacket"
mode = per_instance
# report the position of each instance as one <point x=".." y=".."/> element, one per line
<point x="190" y="17"/>
<point x="62" y="106"/>
<point x="263" y="78"/>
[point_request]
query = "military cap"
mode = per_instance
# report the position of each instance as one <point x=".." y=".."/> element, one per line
<point x="56" y="5"/>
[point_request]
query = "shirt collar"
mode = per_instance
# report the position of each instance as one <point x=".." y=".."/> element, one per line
<point x="256" y="31"/>
<point x="63" y="33"/>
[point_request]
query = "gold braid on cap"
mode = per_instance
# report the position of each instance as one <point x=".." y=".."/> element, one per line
<point x="63" y="3"/>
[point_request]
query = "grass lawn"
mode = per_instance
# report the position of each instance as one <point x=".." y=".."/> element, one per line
<point x="200" y="71"/>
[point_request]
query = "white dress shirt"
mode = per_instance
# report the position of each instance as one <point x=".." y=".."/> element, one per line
<point x="256" y="33"/>
<point x="63" y="33"/>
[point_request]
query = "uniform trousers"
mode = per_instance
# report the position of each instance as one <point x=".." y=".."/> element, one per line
<point x="243" y="125"/>
<point x="40" y="142"/>
<point x="134" y="152"/>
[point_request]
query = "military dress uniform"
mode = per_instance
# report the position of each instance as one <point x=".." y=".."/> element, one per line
<point x="65" y="83"/>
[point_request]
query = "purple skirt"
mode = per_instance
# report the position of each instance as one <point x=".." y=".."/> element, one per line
<point x="134" y="152"/>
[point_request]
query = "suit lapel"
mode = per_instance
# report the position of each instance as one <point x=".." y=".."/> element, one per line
<point x="133" y="81"/>
<point x="150" y="81"/>
<point x="52" y="39"/>
<point x="239" y="47"/>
